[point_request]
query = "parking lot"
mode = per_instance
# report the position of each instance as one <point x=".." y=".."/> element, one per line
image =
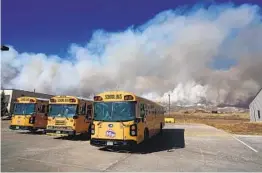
<point x="190" y="148"/>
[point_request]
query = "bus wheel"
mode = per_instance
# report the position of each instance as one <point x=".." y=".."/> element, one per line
<point x="33" y="130"/>
<point x="161" y="129"/>
<point x="89" y="132"/>
<point x="146" y="135"/>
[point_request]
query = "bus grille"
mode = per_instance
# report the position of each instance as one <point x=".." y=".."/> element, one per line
<point x="60" y="122"/>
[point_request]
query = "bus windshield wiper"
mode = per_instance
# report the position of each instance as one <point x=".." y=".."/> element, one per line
<point x="100" y="121"/>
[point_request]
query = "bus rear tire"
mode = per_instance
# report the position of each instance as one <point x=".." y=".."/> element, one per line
<point x="161" y="129"/>
<point x="89" y="132"/>
<point x="33" y="130"/>
<point x="146" y="135"/>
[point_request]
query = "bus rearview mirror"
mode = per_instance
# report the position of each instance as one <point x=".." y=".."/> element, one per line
<point x="137" y="120"/>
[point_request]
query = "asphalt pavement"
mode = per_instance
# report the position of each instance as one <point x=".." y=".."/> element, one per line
<point x="188" y="147"/>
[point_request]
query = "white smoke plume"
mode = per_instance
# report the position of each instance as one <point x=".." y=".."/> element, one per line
<point x="172" y="53"/>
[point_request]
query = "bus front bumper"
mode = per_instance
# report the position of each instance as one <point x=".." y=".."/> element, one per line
<point x="16" y="127"/>
<point x="112" y="143"/>
<point x="60" y="132"/>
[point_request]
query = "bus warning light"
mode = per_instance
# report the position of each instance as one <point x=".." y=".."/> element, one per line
<point x="128" y="97"/>
<point x="98" y="98"/>
<point x="72" y="100"/>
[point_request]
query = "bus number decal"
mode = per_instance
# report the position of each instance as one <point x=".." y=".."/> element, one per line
<point x="111" y="96"/>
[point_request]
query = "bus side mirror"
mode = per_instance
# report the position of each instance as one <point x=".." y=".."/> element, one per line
<point x="75" y="117"/>
<point x="88" y="117"/>
<point x="137" y="120"/>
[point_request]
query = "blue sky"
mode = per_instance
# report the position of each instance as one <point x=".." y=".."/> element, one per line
<point x="169" y="50"/>
<point x="51" y="26"/>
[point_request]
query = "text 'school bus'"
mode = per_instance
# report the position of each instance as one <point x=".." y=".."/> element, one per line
<point x="124" y="119"/>
<point x="69" y="115"/>
<point x="30" y="113"/>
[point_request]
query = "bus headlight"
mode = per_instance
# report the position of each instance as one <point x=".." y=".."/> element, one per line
<point x="92" y="129"/>
<point x="133" y="130"/>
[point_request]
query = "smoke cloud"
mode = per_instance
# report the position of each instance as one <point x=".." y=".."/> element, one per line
<point x="176" y="52"/>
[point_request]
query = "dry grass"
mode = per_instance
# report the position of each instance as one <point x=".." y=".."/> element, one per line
<point x="232" y="123"/>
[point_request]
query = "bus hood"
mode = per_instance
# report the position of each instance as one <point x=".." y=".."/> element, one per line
<point x="21" y="120"/>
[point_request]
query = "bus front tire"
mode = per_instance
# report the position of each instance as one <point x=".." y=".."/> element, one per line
<point x="146" y="135"/>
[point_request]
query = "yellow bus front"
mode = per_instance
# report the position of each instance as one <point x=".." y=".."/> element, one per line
<point x="25" y="115"/>
<point x="67" y="116"/>
<point x="114" y="122"/>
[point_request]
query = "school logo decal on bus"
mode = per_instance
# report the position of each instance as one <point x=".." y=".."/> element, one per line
<point x="110" y="133"/>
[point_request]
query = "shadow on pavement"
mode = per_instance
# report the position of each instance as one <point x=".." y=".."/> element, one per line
<point x="32" y="133"/>
<point x="170" y="140"/>
<point x="80" y="137"/>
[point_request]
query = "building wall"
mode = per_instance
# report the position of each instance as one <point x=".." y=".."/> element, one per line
<point x="255" y="108"/>
<point x="8" y="95"/>
<point x="18" y="93"/>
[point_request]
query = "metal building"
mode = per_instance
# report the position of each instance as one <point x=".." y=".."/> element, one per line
<point x="255" y="108"/>
<point x="12" y="94"/>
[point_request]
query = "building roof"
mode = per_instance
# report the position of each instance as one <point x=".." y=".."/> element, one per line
<point x="83" y="98"/>
<point x="42" y="99"/>
<point x="256" y="95"/>
<point x="25" y="91"/>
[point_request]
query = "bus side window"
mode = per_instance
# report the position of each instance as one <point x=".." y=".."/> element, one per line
<point x="146" y="109"/>
<point x="89" y="111"/>
<point x="84" y="109"/>
<point x="47" y="109"/>
<point x="43" y="109"/>
<point x="142" y="110"/>
<point x="79" y="109"/>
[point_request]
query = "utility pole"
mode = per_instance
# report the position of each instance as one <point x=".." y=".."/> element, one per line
<point x="169" y="104"/>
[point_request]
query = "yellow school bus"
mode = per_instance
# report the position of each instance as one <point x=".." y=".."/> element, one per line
<point x="124" y="119"/>
<point x="69" y="116"/>
<point x="30" y="113"/>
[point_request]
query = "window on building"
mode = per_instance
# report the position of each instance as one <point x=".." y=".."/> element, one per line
<point x="258" y="114"/>
<point x="7" y="97"/>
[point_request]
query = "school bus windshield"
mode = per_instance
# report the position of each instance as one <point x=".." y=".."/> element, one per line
<point x="114" y="111"/>
<point x="24" y="108"/>
<point x="63" y="110"/>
